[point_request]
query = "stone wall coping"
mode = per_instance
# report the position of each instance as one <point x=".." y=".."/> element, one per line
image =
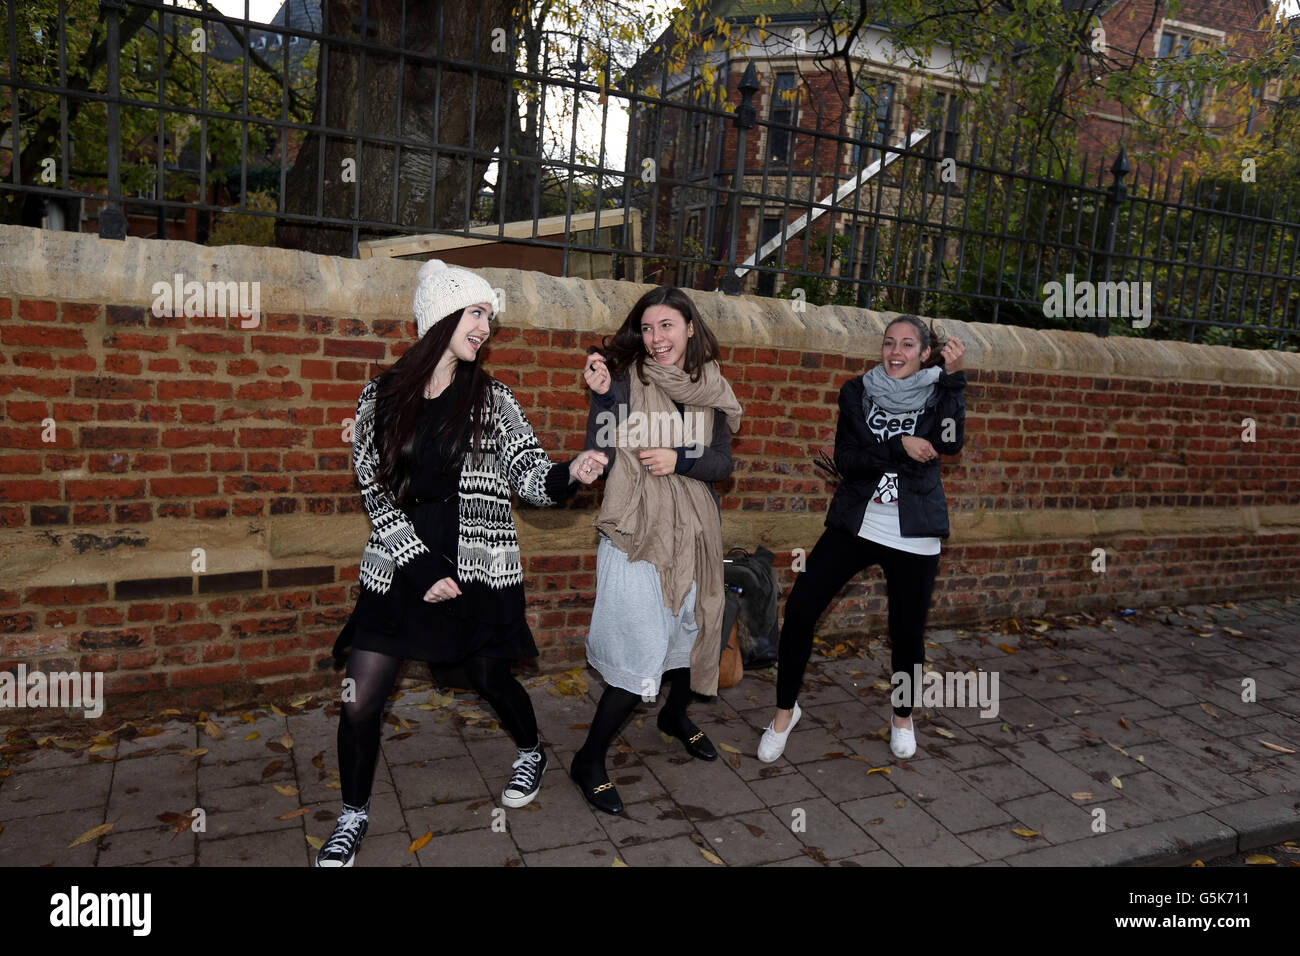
<point x="79" y="267"/>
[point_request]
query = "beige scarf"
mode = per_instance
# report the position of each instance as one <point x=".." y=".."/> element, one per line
<point x="671" y="520"/>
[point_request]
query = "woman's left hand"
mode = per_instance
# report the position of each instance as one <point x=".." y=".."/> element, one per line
<point x="588" y="466"/>
<point x="952" y="353"/>
<point x="658" y="461"/>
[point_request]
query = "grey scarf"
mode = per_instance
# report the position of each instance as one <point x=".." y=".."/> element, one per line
<point x="898" y="394"/>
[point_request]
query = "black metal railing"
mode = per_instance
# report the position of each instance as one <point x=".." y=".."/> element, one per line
<point x="171" y="122"/>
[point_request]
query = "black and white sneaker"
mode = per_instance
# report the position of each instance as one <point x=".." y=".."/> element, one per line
<point x="341" y="848"/>
<point x="523" y="786"/>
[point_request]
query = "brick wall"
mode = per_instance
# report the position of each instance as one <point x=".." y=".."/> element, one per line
<point x="176" y="434"/>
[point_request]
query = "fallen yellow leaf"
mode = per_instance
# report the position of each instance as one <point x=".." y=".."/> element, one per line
<point x="285" y="790"/>
<point x="1260" y="859"/>
<point x="1114" y="782"/>
<point x="1278" y="747"/>
<point x="194" y="752"/>
<point x="92" y="834"/>
<point x="287" y="741"/>
<point x="294" y="813"/>
<point x="1209" y="710"/>
<point x="419" y="844"/>
<point x="316" y="842"/>
<point x="169" y="712"/>
<point x="1197" y="863"/>
<point x="711" y="857"/>
<point x="880" y="770"/>
<point x="99" y="748"/>
<point x="1024" y="833"/>
<point x="618" y="862"/>
<point x="1008" y="648"/>
<point x="1081" y="795"/>
<point x="212" y="730"/>
<point x="253" y="736"/>
<point x="945" y="733"/>
<point x="728" y="748"/>
<point x="277" y="711"/>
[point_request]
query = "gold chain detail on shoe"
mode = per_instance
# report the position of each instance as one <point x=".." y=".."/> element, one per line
<point x="602" y="788"/>
<point x="698" y="735"/>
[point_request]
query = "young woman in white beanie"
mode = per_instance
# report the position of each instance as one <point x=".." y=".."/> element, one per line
<point x="439" y="445"/>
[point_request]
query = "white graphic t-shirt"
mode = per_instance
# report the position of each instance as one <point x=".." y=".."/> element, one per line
<point x="880" y="521"/>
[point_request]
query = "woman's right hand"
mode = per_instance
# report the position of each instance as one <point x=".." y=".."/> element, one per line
<point x="919" y="449"/>
<point x="596" y="373"/>
<point x="443" y="590"/>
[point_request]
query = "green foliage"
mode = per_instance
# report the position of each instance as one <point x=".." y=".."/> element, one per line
<point x="152" y="44"/>
<point x="242" y="229"/>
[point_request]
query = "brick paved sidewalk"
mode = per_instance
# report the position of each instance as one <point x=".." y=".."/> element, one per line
<point x="1141" y="718"/>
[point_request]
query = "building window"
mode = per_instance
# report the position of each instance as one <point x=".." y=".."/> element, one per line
<point x="784" y="110"/>
<point x="769" y="230"/>
<point x="873" y="120"/>
<point x="1174" y="96"/>
<point x="943" y="119"/>
<point x="699" y="133"/>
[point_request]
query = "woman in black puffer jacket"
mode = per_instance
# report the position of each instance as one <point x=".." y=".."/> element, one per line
<point x="889" y="510"/>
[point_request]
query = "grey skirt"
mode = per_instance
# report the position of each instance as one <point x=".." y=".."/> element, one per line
<point x="634" y="638"/>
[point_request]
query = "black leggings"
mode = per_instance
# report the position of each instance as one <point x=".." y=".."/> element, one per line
<point x="362" y="717"/>
<point x="838" y="556"/>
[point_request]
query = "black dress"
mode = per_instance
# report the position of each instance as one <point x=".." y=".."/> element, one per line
<point x="482" y="621"/>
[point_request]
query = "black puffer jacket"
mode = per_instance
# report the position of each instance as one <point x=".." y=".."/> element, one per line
<point x="862" y="458"/>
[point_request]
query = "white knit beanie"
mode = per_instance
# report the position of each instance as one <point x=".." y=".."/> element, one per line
<point x="444" y="289"/>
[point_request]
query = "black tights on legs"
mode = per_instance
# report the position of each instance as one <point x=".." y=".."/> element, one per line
<point x="359" y="722"/>
<point x="493" y="682"/>
<point x="615" y="707"/>
<point x="363" y="712"/>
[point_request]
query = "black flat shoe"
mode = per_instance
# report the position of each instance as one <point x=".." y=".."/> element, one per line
<point x="601" y="794"/>
<point x="697" y="745"/>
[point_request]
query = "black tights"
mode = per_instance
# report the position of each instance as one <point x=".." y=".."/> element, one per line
<point x="616" y="706"/>
<point x="363" y="713"/>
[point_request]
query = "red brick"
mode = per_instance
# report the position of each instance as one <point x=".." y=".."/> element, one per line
<point x="269" y="390"/>
<point x="208" y="343"/>
<point x="285" y="345"/>
<point x="193" y="437"/>
<point x="181" y="487"/>
<point x="33" y="359"/>
<point x="351" y="349"/>
<point x="31" y="310"/>
<point x="97" y="489"/>
<point x="119" y="438"/>
<point x="90" y="594"/>
<point x="135" y="342"/>
<point x="38" y="385"/>
<point x="164" y="365"/>
<point x="271" y="437"/>
<point x="192" y="389"/>
<point x="123" y="364"/>
<point x="42" y="337"/>
<point x="30" y="490"/>
<point x="205" y="676"/>
<point x="338" y="393"/>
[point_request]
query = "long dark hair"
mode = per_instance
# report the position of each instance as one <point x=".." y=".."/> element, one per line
<point x="397" y="407"/>
<point x="626" y="346"/>
<point x="931" y="338"/>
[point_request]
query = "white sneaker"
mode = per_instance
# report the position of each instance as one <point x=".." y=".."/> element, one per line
<point x="902" y="740"/>
<point x="773" y="744"/>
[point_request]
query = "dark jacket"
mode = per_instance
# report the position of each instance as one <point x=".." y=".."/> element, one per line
<point x="862" y="458"/>
<point x="709" y="463"/>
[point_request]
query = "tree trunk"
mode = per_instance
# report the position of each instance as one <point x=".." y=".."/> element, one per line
<point x="385" y="183"/>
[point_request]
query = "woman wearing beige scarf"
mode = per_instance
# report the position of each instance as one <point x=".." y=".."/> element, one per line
<point x="664" y="414"/>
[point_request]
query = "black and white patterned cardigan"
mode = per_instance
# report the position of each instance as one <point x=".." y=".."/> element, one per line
<point x="488" y="545"/>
